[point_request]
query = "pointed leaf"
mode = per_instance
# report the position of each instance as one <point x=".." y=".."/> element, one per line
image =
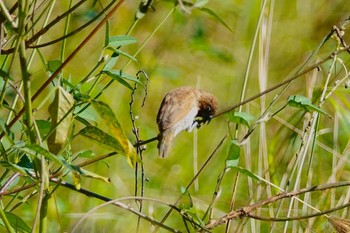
<point x="76" y="180"/>
<point x="89" y="174"/>
<point x="233" y="154"/>
<point x="5" y="75"/>
<point x="61" y="117"/>
<point x="53" y="65"/>
<point x="44" y="127"/>
<point x="115" y="128"/>
<point x="36" y="151"/>
<point x="212" y="13"/>
<point x="195" y="217"/>
<point x="15" y="167"/>
<point x="111" y="62"/>
<point x="107" y="114"/>
<point x="304" y="103"/>
<point x="246" y="172"/>
<point x="86" y="154"/>
<point x="103" y="138"/>
<point x="17" y="223"/>
<point x="120" y="77"/>
<point x="239" y="117"/>
<point x="116" y="41"/>
<point x="123" y="53"/>
<point x="185" y="201"/>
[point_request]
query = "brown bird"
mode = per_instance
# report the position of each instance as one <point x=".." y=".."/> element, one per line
<point x="183" y="109"/>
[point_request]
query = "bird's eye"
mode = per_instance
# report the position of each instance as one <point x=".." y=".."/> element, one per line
<point x="208" y="108"/>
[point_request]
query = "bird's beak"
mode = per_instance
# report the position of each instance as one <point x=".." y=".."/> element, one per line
<point x="208" y="119"/>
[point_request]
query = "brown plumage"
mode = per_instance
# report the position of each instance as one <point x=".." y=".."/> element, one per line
<point x="183" y="109"/>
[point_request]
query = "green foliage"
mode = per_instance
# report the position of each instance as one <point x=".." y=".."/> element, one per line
<point x="72" y="101"/>
<point x="240" y="118"/>
<point x="16" y="223"/>
<point x="233" y="156"/>
<point x="304" y="103"/>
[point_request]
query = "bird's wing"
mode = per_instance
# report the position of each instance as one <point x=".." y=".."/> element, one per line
<point x="175" y="106"/>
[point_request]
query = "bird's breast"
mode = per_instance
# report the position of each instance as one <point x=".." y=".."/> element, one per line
<point x="186" y="123"/>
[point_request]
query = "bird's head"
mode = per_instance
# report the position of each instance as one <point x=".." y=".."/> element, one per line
<point x="208" y="105"/>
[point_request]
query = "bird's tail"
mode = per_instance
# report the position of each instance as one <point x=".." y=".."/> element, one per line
<point x="165" y="142"/>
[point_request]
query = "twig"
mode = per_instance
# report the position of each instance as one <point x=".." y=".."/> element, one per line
<point x="117" y="203"/>
<point x="69" y="58"/>
<point x="339" y="32"/>
<point x="296" y="76"/>
<point x="245" y="211"/>
<point x="194" y="178"/>
<point x="139" y="149"/>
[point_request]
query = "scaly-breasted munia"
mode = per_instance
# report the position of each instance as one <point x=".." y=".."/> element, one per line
<point x="183" y="109"/>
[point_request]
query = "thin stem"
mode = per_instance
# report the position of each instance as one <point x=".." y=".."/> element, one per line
<point x="193" y="179"/>
<point x="59" y="69"/>
<point x="6" y="221"/>
<point x="5" y="13"/>
<point x="287" y="81"/>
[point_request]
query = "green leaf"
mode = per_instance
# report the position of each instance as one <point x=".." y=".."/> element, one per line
<point x="116" y="130"/>
<point x="17" y="223"/>
<point x="36" y="150"/>
<point x="53" y="65"/>
<point x="15" y="167"/>
<point x="103" y="138"/>
<point x="61" y="117"/>
<point x="120" y="77"/>
<point x="212" y="13"/>
<point x="246" y="172"/>
<point x="304" y="103"/>
<point x="25" y="162"/>
<point x="44" y="127"/>
<point x="86" y="154"/>
<point x="233" y="154"/>
<point x="239" y="117"/>
<point x="195" y="217"/>
<point x="89" y="174"/>
<point x="68" y="83"/>
<point x="185" y="201"/>
<point x="5" y="75"/>
<point x="107" y="114"/>
<point x="111" y="62"/>
<point x="116" y="41"/>
<point x="123" y="53"/>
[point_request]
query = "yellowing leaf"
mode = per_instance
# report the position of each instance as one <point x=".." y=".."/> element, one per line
<point x="86" y="173"/>
<point x="61" y="118"/>
<point x="116" y="138"/>
<point x="102" y="138"/>
<point x="76" y="180"/>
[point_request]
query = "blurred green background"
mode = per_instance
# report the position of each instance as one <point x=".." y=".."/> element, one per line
<point x="196" y="49"/>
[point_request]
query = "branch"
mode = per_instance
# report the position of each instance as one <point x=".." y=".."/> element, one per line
<point x="245" y="211"/>
<point x="296" y="76"/>
<point x="117" y="203"/>
<point x="69" y="58"/>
